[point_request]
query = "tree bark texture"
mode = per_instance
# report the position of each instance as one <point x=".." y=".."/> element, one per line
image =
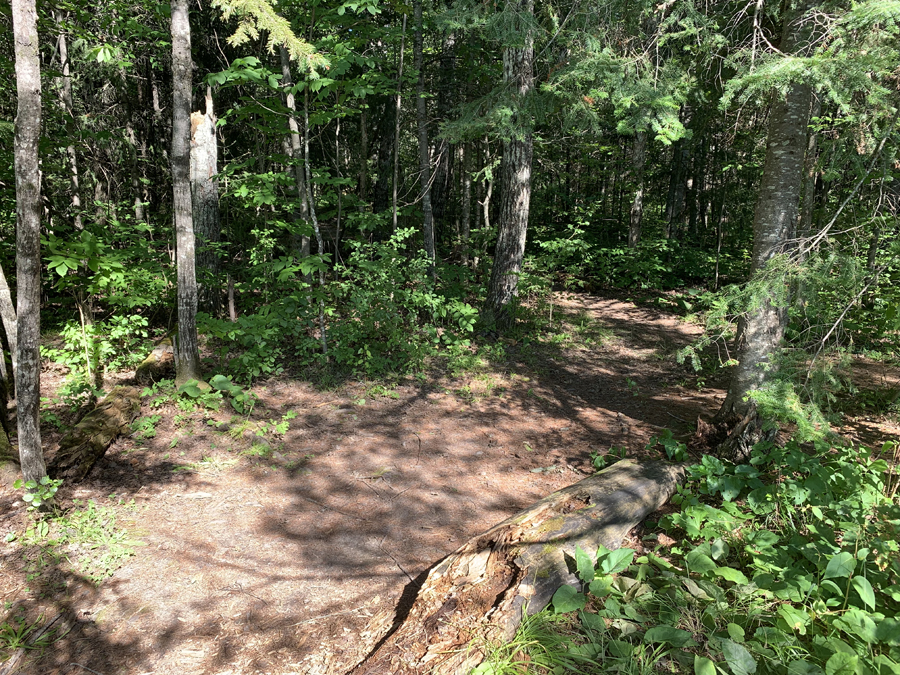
<point x="295" y="153"/>
<point x="479" y="593"/>
<point x="28" y="238"/>
<point x="188" y="353"/>
<point x="88" y="441"/>
<point x="8" y="315"/>
<point x="396" y="179"/>
<point x="515" y="196"/>
<point x="639" y="156"/>
<point x="205" y="205"/>
<point x="68" y="109"/>
<point x="775" y="216"/>
<point x="422" y="134"/>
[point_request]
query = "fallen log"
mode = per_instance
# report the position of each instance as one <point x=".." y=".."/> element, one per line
<point x="479" y="593"/>
<point x="87" y="442"/>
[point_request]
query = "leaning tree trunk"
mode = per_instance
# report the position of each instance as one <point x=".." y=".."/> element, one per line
<point x="515" y="196"/>
<point x="28" y="238"/>
<point x="762" y="328"/>
<point x="637" y="206"/>
<point x="480" y="593"/>
<point x="205" y="205"/>
<point x="188" y="353"/>
<point x="422" y="134"/>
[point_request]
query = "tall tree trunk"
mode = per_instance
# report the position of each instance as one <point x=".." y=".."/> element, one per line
<point x="384" y="160"/>
<point x="777" y="204"/>
<point x="638" y="159"/>
<point x="323" y="336"/>
<point x="294" y="149"/>
<point x="444" y="151"/>
<point x="8" y="315"/>
<point x="466" y="219"/>
<point x="188" y="362"/>
<point x="805" y="224"/>
<point x="422" y="133"/>
<point x="394" y="182"/>
<point x="363" y="185"/>
<point x="205" y="206"/>
<point x="28" y="238"/>
<point x="68" y="107"/>
<point x="515" y="196"/>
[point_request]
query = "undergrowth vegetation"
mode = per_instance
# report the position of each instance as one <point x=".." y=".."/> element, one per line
<point x="786" y="565"/>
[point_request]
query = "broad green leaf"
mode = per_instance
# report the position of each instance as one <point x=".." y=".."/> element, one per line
<point x="620" y="648"/>
<point x="796" y="619"/>
<point x="864" y="588"/>
<point x="739" y="659"/>
<point x="616" y="561"/>
<point x="567" y="599"/>
<point x="601" y="586"/>
<point x="801" y="667"/>
<point x="735" y="632"/>
<point x="731" y="574"/>
<point x="668" y="634"/>
<point x="888" y="631"/>
<point x="703" y="666"/>
<point x="699" y="562"/>
<point x="841" y="663"/>
<point x="720" y="549"/>
<point x="840" y="566"/>
<point x="585" y="565"/>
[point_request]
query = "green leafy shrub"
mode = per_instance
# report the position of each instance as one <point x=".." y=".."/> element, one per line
<point x="789" y="565"/>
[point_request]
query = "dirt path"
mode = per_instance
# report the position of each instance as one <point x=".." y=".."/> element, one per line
<point x="270" y="552"/>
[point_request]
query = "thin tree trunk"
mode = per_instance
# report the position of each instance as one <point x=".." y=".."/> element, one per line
<point x="422" y="133"/>
<point x="364" y="160"/>
<point x="515" y="194"/>
<point x="28" y="242"/>
<point x="397" y="130"/>
<point x="315" y="222"/>
<point x="8" y="315"/>
<point x="466" y="219"/>
<point x="808" y="203"/>
<point x="187" y="365"/>
<point x="441" y="204"/>
<point x="205" y="205"/>
<point x="295" y="153"/>
<point x="68" y="108"/>
<point x="639" y="155"/>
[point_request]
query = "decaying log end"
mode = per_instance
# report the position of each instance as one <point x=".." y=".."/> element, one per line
<point x="83" y="445"/>
<point x="159" y="364"/>
<point x="478" y="594"/>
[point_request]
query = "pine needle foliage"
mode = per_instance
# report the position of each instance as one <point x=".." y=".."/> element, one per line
<point x="259" y="16"/>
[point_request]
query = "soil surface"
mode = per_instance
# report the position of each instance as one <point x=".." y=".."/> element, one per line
<point x="282" y="542"/>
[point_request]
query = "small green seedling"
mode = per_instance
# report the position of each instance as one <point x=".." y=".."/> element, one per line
<point x="38" y="493"/>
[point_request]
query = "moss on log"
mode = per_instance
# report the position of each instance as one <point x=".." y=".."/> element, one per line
<point x="159" y="364"/>
<point x="83" y="445"/>
<point x="479" y="593"/>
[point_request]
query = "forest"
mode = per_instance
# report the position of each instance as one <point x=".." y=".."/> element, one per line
<point x="457" y="337"/>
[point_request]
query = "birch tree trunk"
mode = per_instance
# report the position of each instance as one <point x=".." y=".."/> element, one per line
<point x="775" y="216"/>
<point x="422" y="133"/>
<point x="515" y="195"/>
<point x="28" y="238"/>
<point x="205" y="205"/>
<point x="188" y="352"/>
<point x="639" y="157"/>
<point x="294" y="149"/>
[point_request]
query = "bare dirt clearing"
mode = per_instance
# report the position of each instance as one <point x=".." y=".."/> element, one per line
<point x="280" y="543"/>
